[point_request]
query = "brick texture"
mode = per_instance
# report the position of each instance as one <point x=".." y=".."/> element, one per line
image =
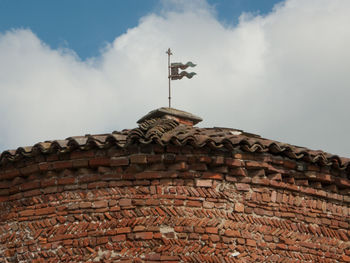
<point x="166" y="204"/>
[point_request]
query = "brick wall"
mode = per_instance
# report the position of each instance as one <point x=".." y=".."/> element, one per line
<point x="172" y="204"/>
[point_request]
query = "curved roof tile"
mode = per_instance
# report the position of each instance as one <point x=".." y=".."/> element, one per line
<point x="165" y="132"/>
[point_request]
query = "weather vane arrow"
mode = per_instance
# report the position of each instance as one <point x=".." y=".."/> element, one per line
<point x="174" y="72"/>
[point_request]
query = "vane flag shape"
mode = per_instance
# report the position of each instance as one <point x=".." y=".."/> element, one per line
<point x="174" y="73"/>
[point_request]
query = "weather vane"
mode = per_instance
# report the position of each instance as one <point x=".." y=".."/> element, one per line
<point x="174" y="74"/>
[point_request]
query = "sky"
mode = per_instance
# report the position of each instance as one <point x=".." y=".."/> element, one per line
<point x="279" y="69"/>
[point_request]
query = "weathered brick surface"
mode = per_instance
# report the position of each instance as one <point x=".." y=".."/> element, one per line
<point x="173" y="205"/>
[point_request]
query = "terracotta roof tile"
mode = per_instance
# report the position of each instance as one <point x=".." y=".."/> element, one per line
<point x="164" y="132"/>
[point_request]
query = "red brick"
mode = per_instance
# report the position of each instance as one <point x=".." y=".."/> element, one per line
<point x="62" y="165"/>
<point x="173" y="148"/>
<point x="170" y="259"/>
<point x="118" y="238"/>
<point x="149" y="175"/>
<point x="289" y="164"/>
<point x="67" y="242"/>
<point x="119" y="161"/>
<point x="189" y="175"/>
<point x="27" y="213"/>
<point x="214" y="238"/>
<point x="281" y="246"/>
<point x="344" y="225"/>
<point x="153" y="257"/>
<point x="240" y="241"/>
<point x="325" y="178"/>
<point x="208" y="204"/>
<point x="205" y="159"/>
<point x="209" y="175"/>
<point x="266" y="197"/>
<point x="232" y="233"/>
<point x="100" y="161"/>
<point x="44" y="166"/>
<point x="238" y="172"/>
<point x="60" y="237"/>
<point x="198" y="167"/>
<point x="262" y="181"/>
<point x="287" y="214"/>
<point x="309" y="190"/>
<point x="125" y="202"/>
<point x="99" y="204"/>
<point x="220" y="170"/>
<point x="45" y="211"/>
<point x="211" y="230"/>
<point x="268" y="238"/>
<point x="4" y="184"/>
<point x="302" y="182"/>
<point x="85" y="205"/>
<point x="81" y="154"/>
<point x="231" y="178"/>
<point x="8" y="174"/>
<point x="345" y="258"/>
<point x="80" y="163"/>
<point x="242" y="187"/>
<point x="154" y="158"/>
<point x="312" y="167"/>
<point x="218" y="160"/>
<point x="239" y="207"/>
<point x="138" y="159"/>
<point x="35" y="192"/>
<point x="4" y="192"/>
<point x="251" y="242"/>
<point x="204" y="183"/>
<point x="144" y="235"/>
<point x="178" y="228"/>
<point x="180" y="166"/>
<point x="169" y="158"/>
<point x="101" y="240"/>
<point x="194" y="203"/>
<point x="233" y="162"/>
<point x="151" y="201"/>
<point x="325" y="221"/>
<point x="257" y="173"/>
<point x="123" y="230"/>
<point x="48" y="182"/>
<point x="253" y="164"/>
<point x="29" y="169"/>
<point x="138" y="228"/>
<point x="95" y="185"/>
<point x="342" y="182"/>
<point x="30" y="185"/>
<point x="4" y="198"/>
<point x="66" y="180"/>
<point x="275" y="176"/>
<point x="199" y="230"/>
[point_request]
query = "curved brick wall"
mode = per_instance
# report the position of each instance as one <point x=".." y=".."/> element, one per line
<point x="172" y="204"/>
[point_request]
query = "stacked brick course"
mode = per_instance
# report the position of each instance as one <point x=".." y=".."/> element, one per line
<point x="172" y="203"/>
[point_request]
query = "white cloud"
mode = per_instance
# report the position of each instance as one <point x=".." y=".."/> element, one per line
<point x="283" y="76"/>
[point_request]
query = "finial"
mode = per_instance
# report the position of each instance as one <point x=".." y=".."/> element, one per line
<point x="174" y="74"/>
<point x="169" y="54"/>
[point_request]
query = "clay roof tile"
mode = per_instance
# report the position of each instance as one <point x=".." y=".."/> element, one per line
<point x="169" y="131"/>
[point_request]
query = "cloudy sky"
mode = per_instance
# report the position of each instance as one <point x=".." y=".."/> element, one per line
<point x="275" y="68"/>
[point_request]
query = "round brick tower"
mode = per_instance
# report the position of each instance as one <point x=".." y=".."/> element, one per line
<point x="170" y="192"/>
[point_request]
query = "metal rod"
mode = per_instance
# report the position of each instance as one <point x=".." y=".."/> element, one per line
<point x="169" y="77"/>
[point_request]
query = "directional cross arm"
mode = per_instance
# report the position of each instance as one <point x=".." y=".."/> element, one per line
<point x="174" y="71"/>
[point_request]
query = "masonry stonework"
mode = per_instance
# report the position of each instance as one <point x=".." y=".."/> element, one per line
<point x="112" y="201"/>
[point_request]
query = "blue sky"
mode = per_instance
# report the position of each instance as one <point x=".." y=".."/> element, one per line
<point x="85" y="26"/>
<point x="274" y="68"/>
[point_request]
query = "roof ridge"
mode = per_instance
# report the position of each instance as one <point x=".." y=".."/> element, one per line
<point x="165" y="132"/>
